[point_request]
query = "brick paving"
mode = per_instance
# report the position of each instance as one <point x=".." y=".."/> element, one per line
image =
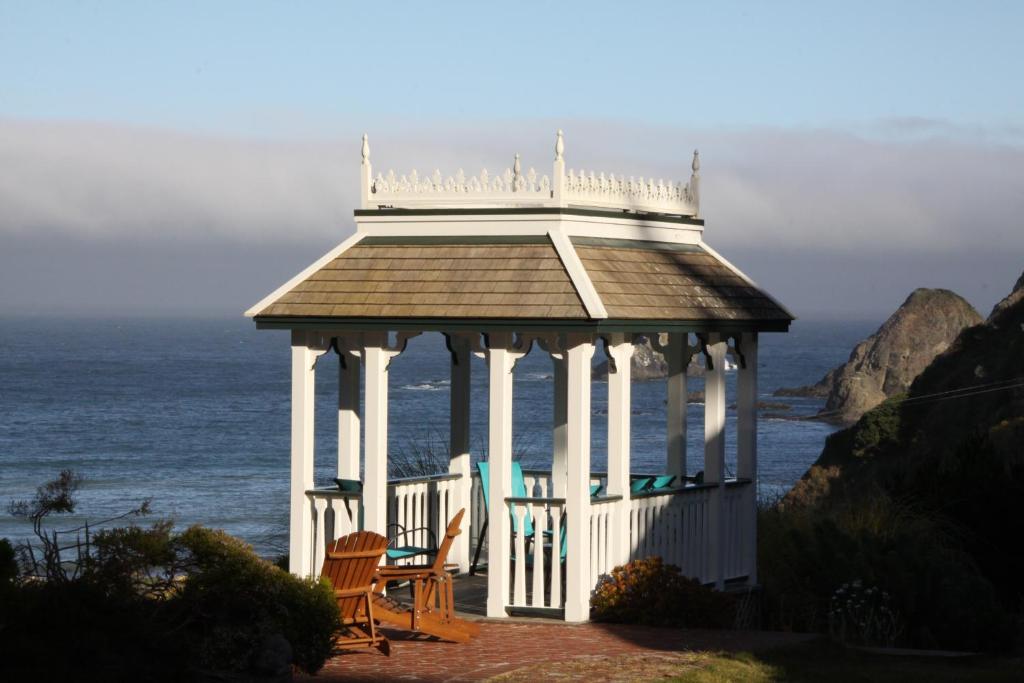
<point x="507" y="645"/>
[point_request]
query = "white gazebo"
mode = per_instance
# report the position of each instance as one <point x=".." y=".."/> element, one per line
<point x="500" y="264"/>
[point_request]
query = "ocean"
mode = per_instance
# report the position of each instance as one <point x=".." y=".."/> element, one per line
<point x="194" y="415"/>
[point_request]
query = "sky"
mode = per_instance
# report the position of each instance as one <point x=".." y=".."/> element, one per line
<point x="186" y="158"/>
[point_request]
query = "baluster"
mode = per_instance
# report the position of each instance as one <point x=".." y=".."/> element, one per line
<point x="634" y="529"/>
<point x="319" y="541"/>
<point x="335" y="506"/>
<point x="540" y="525"/>
<point x="519" y="591"/>
<point x="595" y="526"/>
<point x="556" y="552"/>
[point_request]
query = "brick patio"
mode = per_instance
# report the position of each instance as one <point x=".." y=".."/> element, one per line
<point x="507" y="645"/>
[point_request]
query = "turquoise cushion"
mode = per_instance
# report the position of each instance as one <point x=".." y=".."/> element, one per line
<point x="640" y="484"/>
<point x="663" y="482"/>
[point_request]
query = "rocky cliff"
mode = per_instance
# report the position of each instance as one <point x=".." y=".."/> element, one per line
<point x="650" y="364"/>
<point x="884" y="364"/>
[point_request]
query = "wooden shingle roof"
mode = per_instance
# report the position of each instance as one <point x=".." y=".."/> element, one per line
<point x="662" y="281"/>
<point x="383" y="277"/>
<point x="524" y="277"/>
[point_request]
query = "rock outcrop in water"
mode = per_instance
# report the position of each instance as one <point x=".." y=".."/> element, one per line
<point x="884" y="364"/>
<point x="650" y="364"/>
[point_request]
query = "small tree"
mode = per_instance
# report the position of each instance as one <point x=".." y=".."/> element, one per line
<point x="58" y="497"/>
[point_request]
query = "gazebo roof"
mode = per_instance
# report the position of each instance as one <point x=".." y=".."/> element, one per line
<point x="522" y="250"/>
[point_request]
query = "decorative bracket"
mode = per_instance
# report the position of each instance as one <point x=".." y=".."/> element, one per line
<point x="660" y="344"/>
<point x="736" y="350"/>
<point x="617" y="354"/>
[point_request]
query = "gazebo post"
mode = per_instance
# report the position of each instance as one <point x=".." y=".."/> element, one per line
<point x="619" y="349"/>
<point x="677" y="353"/>
<point x="500" y="361"/>
<point x="559" y="445"/>
<point x="375" y="467"/>
<point x="459" y="459"/>
<point x="714" y="454"/>
<point x="746" y="446"/>
<point x="579" y="351"/>
<point x="348" y="413"/>
<point x="300" y="541"/>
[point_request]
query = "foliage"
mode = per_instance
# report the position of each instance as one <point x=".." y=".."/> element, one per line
<point x="878" y="428"/>
<point x="236" y="601"/>
<point x="934" y="584"/>
<point x="58" y="497"/>
<point x="863" y="615"/>
<point x="648" y="591"/>
<point x="819" y="660"/>
<point x="150" y="604"/>
<point x="8" y="563"/>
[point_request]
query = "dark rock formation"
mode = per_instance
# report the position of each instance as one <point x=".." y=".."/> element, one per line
<point x="1012" y="298"/>
<point x="969" y="399"/>
<point x="649" y="364"/>
<point x="884" y="364"/>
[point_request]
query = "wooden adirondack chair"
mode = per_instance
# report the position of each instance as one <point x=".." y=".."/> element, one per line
<point x="433" y="608"/>
<point x="351" y="565"/>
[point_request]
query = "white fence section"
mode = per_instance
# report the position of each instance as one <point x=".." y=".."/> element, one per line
<point x="420" y="506"/>
<point x="537" y="552"/>
<point x="335" y="513"/>
<point x="674" y="525"/>
<point x="419" y="509"/>
<point x="602" y="532"/>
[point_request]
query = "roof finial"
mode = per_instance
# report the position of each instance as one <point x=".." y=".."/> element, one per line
<point x="366" y="150"/>
<point x="559" y="146"/>
<point x="516" y="174"/>
<point x="696" y="161"/>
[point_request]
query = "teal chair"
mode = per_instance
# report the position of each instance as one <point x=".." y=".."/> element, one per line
<point x="648" y="484"/>
<point x="518" y="491"/>
<point x="640" y="484"/>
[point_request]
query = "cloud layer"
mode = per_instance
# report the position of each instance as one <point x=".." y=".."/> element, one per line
<point x="829" y="221"/>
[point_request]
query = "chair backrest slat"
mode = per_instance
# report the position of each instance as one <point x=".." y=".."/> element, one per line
<point x="450" y="533"/>
<point x="350" y="563"/>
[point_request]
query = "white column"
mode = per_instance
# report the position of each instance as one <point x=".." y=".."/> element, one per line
<point x="499" y="447"/>
<point x="559" y="443"/>
<point x="579" y="351"/>
<point x="620" y="354"/>
<point x="746" y="447"/>
<point x="458" y="463"/>
<point x="348" y="414"/>
<point x="677" y="354"/>
<point x="300" y="536"/>
<point x="714" y="455"/>
<point x="375" y="467"/>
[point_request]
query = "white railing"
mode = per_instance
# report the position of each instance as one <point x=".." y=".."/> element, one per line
<point x="335" y="514"/>
<point x="513" y="187"/>
<point x="537" y="555"/>
<point x="419" y="505"/>
<point x="674" y="525"/>
<point x="602" y="536"/>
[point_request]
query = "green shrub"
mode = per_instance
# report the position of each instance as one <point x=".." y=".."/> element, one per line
<point x="648" y="591"/>
<point x="236" y="601"/>
<point x="148" y="604"/>
<point x="806" y="554"/>
<point x="8" y="562"/>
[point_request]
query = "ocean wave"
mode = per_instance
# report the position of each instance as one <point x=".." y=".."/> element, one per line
<point x="437" y="385"/>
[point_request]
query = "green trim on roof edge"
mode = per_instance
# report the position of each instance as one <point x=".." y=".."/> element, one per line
<point x="522" y="325"/>
<point x="538" y="210"/>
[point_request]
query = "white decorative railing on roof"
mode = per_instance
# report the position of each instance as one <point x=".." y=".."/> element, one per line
<point x="514" y="188"/>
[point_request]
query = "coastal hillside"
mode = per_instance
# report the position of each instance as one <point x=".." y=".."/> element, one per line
<point x="884" y="364"/>
<point x="948" y="455"/>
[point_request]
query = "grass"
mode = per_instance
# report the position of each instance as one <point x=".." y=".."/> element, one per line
<point x="816" y="661"/>
<point x="820" y="661"/>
